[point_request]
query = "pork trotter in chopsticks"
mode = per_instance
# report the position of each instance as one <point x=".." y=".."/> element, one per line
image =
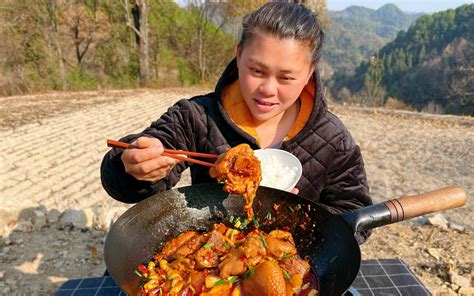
<point x="241" y="173"/>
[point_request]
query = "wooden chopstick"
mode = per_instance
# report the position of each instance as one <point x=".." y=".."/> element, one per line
<point x="170" y="153"/>
<point x="196" y="161"/>
<point x="189" y="153"/>
<point x="118" y="144"/>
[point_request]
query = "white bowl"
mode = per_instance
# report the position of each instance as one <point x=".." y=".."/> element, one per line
<point x="280" y="169"/>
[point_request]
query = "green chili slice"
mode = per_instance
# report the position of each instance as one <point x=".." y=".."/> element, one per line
<point x="286" y="274"/>
<point x="263" y="240"/>
<point x="208" y="246"/>
<point x="220" y="282"/>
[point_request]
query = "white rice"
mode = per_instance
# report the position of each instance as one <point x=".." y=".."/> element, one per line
<point x="276" y="174"/>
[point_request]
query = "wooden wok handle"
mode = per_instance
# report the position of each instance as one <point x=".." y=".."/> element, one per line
<point x="408" y="207"/>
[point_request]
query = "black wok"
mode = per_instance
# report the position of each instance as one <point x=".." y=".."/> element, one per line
<point x="326" y="239"/>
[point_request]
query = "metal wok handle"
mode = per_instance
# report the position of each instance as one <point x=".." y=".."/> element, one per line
<point x="405" y="208"/>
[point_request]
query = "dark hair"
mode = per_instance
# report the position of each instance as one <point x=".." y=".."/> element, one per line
<point x="285" y="20"/>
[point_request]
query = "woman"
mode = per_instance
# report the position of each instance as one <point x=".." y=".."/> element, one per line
<point x="270" y="95"/>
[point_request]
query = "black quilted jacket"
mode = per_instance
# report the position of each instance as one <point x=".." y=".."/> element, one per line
<point x="333" y="169"/>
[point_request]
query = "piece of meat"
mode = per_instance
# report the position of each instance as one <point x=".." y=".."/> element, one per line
<point x="190" y="246"/>
<point x="232" y="264"/>
<point x="296" y="266"/>
<point x="267" y="279"/>
<point x="181" y="246"/>
<point x="253" y="249"/>
<point x="208" y="255"/>
<point x="241" y="173"/>
<point x="280" y="243"/>
<point x="297" y="270"/>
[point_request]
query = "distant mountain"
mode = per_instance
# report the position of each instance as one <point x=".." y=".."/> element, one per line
<point x="430" y="66"/>
<point x="357" y="32"/>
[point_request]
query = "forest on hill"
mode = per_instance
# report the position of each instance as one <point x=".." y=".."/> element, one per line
<point x="94" y="44"/>
<point x="356" y="33"/>
<point x="429" y="67"/>
<point x="370" y="56"/>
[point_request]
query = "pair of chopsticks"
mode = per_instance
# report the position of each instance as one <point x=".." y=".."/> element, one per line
<point x="170" y="153"/>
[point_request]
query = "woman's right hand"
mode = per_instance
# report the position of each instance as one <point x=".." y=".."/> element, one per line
<point x="146" y="163"/>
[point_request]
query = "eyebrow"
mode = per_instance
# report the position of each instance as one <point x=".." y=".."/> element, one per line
<point x="266" y="67"/>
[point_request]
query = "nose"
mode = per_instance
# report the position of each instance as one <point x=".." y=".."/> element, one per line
<point x="268" y="87"/>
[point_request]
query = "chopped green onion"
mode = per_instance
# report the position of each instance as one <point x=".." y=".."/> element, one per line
<point x="255" y="222"/>
<point x="226" y="245"/>
<point x="286" y="274"/>
<point x="232" y="233"/>
<point x="209" y="245"/>
<point x="268" y="215"/>
<point x="291" y="209"/>
<point x="298" y="207"/>
<point x="286" y="256"/>
<point x="332" y="259"/>
<point x="263" y="240"/>
<point x="220" y="282"/>
<point x="248" y="273"/>
<point x="246" y="222"/>
<point x="138" y="273"/>
<point x="231" y="219"/>
<point x="237" y="219"/>
<point x="168" y="246"/>
<point x="232" y="279"/>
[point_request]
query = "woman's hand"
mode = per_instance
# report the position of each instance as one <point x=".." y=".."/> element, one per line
<point x="146" y="163"/>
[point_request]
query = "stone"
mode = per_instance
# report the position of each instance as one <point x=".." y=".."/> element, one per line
<point x="58" y="264"/>
<point x="438" y="220"/>
<point x="105" y="217"/>
<point x="24" y="226"/>
<point x="459" y="280"/>
<point x="53" y="215"/>
<point x="5" y="291"/>
<point x="10" y="282"/>
<point x="78" y="218"/>
<point x="38" y="219"/>
<point x="89" y="217"/>
<point x="457" y="227"/>
<point x="466" y="291"/>
<point x="434" y="252"/>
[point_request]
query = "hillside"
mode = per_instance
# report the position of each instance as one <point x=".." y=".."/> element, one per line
<point x="429" y="67"/>
<point x="356" y="33"/>
<point x="52" y="146"/>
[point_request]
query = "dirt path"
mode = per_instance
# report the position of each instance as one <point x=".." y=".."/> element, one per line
<point x="52" y="146"/>
<point x="54" y="159"/>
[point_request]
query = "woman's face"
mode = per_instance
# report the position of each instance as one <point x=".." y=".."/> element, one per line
<point x="272" y="74"/>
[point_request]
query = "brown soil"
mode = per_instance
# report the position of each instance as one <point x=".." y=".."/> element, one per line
<point x="52" y="145"/>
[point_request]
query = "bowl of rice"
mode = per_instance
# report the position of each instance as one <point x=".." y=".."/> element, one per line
<point x="280" y="169"/>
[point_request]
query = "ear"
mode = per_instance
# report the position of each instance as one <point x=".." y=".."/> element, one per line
<point x="238" y="53"/>
<point x="311" y="72"/>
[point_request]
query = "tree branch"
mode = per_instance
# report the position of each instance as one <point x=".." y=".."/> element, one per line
<point x="129" y="22"/>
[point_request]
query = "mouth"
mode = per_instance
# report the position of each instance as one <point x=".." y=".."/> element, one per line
<point x="264" y="104"/>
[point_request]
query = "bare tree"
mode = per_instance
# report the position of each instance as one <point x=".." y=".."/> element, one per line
<point x="139" y="12"/>
<point x="86" y="25"/>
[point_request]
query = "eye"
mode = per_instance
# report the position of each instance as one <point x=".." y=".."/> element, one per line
<point x="256" y="71"/>
<point x="286" y="77"/>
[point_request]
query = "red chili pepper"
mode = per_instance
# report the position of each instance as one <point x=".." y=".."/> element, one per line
<point x="142" y="268"/>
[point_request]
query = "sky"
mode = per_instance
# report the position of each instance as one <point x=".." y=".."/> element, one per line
<point x="405" y="5"/>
